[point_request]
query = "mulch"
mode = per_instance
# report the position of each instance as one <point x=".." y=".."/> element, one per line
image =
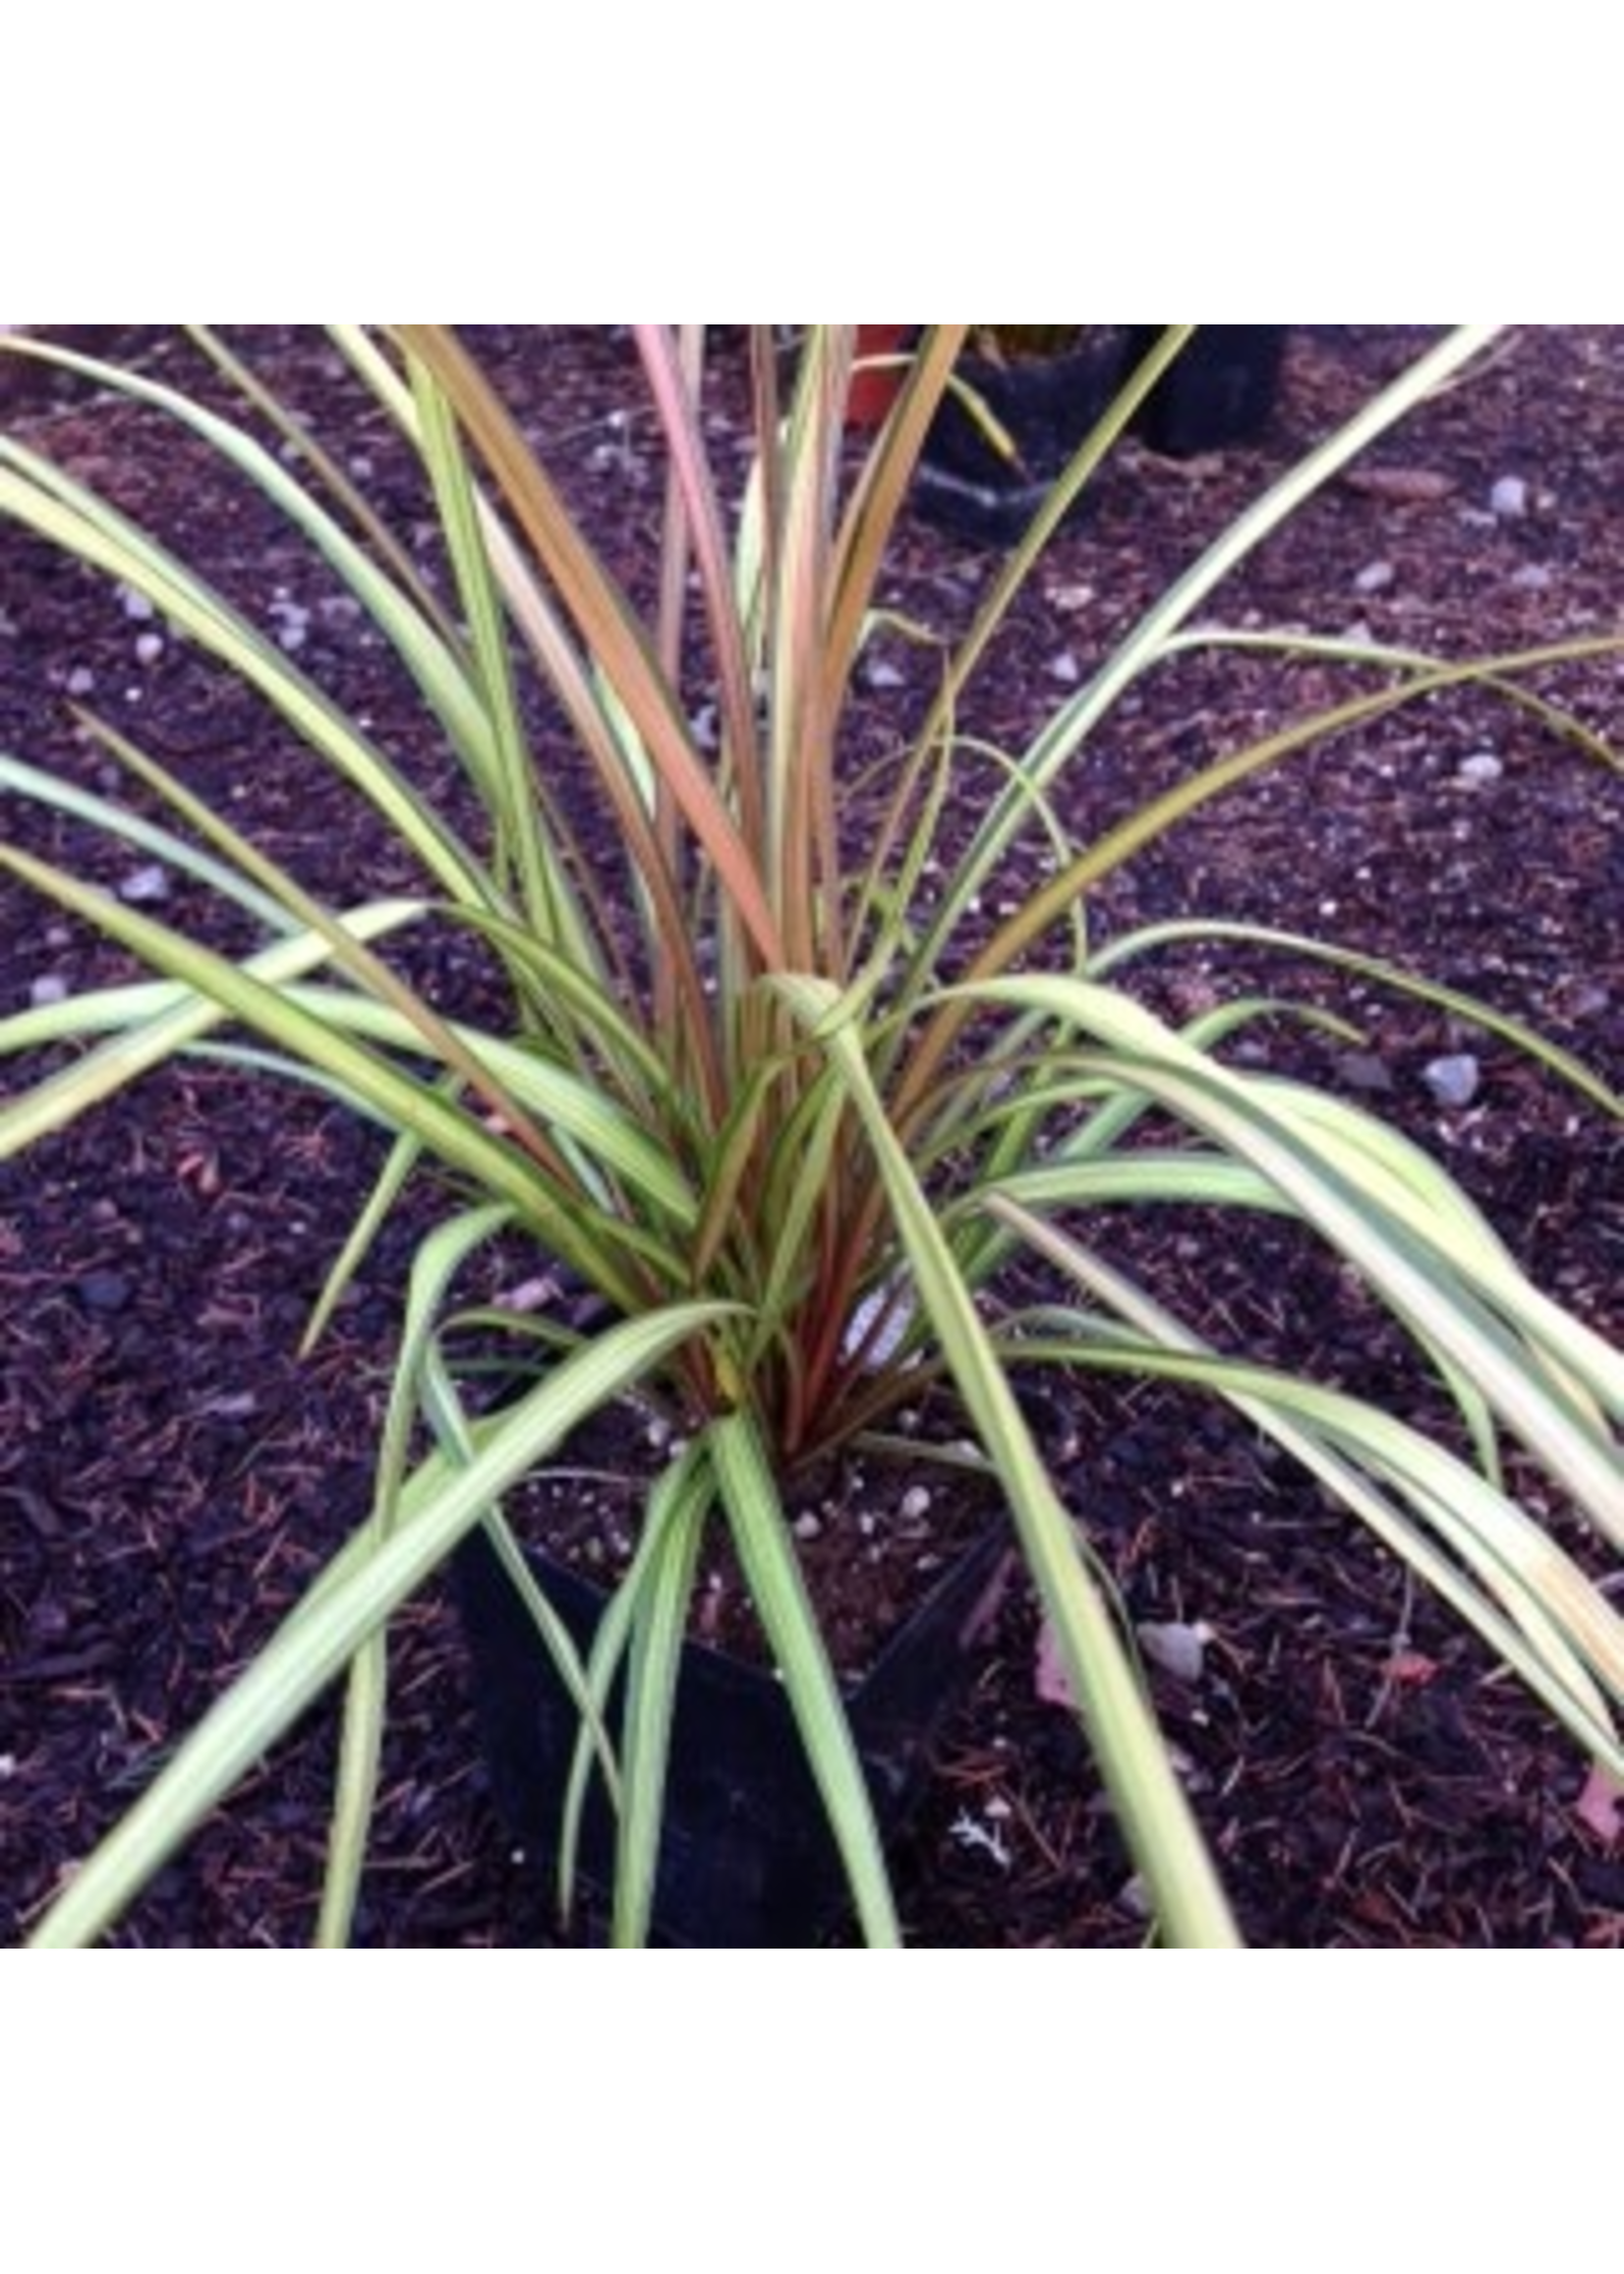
<point x="173" y="1473"/>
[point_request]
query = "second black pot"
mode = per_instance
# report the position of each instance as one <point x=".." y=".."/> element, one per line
<point x="1219" y="391"/>
<point x="1045" y="408"/>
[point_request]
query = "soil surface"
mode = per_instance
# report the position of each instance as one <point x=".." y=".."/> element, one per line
<point x="173" y="1475"/>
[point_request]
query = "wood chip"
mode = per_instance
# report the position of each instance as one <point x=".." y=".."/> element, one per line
<point x="1400" y="484"/>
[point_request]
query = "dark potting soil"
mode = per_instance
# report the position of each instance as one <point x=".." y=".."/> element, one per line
<point x="872" y="1531"/>
<point x="172" y="1474"/>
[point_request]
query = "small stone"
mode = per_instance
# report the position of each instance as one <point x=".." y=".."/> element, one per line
<point x="50" y="987"/>
<point x="915" y="1504"/>
<point x="882" y="675"/>
<point x="136" y="605"/>
<point x="1453" y="1080"/>
<point x="1533" y="576"/>
<point x="104" y="1291"/>
<point x="808" y="1527"/>
<point x="1065" y="668"/>
<point x="1073" y="598"/>
<point x="1508" y="500"/>
<point x="144" y="886"/>
<point x="149" y="649"/>
<point x="1179" y="1650"/>
<point x="1375" y="576"/>
<point x="234" y="1408"/>
<point x="293" y="624"/>
<point x="1480" y="768"/>
<point x="529" y="1295"/>
<point x="81" y="681"/>
<point x="1364" y="1070"/>
<point x="1135" y="1899"/>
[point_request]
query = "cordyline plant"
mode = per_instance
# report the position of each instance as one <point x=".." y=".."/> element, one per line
<point x="787" y="1111"/>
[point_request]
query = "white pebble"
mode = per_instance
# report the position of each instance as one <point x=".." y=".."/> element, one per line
<point x="81" y="681"/>
<point x="915" y="1502"/>
<point x="136" y="605"/>
<point x="50" y="987"/>
<point x="1065" y="667"/>
<point x="143" y="885"/>
<point x="1135" y="1898"/>
<point x="149" y="647"/>
<point x="1480" y="768"/>
<point x="1375" y="576"/>
<point x="1179" y="1650"/>
<point x="1453" y="1080"/>
<point x="293" y="621"/>
<point x="1508" y="500"/>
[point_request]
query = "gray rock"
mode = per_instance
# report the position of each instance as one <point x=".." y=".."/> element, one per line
<point x="1364" y="1070"/>
<point x="1508" y="500"/>
<point x="1375" y="576"/>
<point x="145" y="886"/>
<point x="1453" y="1080"/>
<point x="149" y="649"/>
<point x="1480" y="768"/>
<point x="1179" y="1650"/>
<point x="81" y="681"/>
<point x="104" y="1291"/>
<point x="1135" y="1898"/>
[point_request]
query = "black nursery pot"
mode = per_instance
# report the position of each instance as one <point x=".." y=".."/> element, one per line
<point x="746" y="1859"/>
<point x="1045" y="407"/>
<point x="1220" y="391"/>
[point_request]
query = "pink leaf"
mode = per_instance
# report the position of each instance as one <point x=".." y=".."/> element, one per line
<point x="1600" y="1808"/>
<point x="1052" y="1684"/>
